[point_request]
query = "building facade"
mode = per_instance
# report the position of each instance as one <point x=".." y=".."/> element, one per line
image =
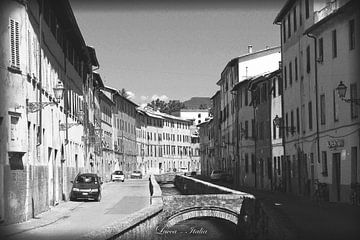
<point x="319" y="52"/>
<point x="41" y="146"/>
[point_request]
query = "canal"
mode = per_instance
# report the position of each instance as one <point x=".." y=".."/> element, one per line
<point x="197" y="228"/>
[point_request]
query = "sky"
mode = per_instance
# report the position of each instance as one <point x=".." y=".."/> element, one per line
<point x="173" y="50"/>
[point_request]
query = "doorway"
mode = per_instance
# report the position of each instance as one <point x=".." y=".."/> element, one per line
<point x="336" y="175"/>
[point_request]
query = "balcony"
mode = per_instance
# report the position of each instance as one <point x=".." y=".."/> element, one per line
<point x="330" y="8"/>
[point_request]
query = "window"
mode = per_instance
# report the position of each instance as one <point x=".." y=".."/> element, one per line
<point x="321" y="49"/>
<point x="253" y="128"/>
<point x="285" y="78"/>
<point x="336" y="106"/>
<point x="303" y="118"/>
<point x="334" y="44"/>
<point x="14" y="43"/>
<point x="290" y="73"/>
<point x="246" y="129"/>
<point x="284" y="30"/>
<point x="296" y="69"/>
<point x="322" y="109"/>
<point x="287" y="124"/>
<point x="246" y="97"/>
<point x="300" y="13"/>
<point x="289" y="25"/>
<point x="292" y="121"/>
<point x="246" y="163"/>
<point x="351" y="34"/>
<point x="308" y="59"/>
<point x="274" y="87"/>
<point x="310" y="115"/>
<point x="253" y="163"/>
<point x="307" y="9"/>
<point x="353" y="95"/>
<point x="324" y="163"/>
<point x="297" y="120"/>
<point x="280" y="86"/>
<point x="274" y="131"/>
<point x="294" y="15"/>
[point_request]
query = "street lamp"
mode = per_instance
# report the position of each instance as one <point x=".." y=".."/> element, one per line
<point x="37" y="106"/>
<point x="278" y="122"/>
<point x="341" y="90"/>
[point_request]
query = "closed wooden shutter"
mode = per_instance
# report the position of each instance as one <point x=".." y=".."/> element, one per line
<point x="14" y="43"/>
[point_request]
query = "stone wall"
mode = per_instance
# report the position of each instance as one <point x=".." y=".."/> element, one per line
<point x="166" y="177"/>
<point x="189" y="186"/>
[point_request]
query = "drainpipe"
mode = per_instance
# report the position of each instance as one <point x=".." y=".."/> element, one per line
<point x="40" y="75"/>
<point x="316" y="100"/>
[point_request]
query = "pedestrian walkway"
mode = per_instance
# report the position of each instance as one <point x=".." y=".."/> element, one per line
<point x="309" y="220"/>
<point x="57" y="213"/>
<point x="121" y="203"/>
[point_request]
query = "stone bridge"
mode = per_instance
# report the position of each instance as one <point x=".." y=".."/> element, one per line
<point x="201" y="199"/>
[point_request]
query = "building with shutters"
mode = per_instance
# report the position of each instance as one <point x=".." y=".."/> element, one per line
<point x="41" y="148"/>
<point x="320" y="50"/>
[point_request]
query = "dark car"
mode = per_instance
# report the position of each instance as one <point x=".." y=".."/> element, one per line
<point x="86" y="186"/>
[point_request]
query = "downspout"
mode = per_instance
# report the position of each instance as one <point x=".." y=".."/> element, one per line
<point x="316" y="100"/>
<point x="283" y="185"/>
<point x="40" y="74"/>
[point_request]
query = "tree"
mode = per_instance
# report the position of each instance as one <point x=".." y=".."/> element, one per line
<point x="123" y="93"/>
<point x="166" y="107"/>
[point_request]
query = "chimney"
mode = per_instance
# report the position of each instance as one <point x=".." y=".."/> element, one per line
<point x="249" y="48"/>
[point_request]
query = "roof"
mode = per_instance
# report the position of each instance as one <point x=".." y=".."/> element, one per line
<point x="97" y="80"/>
<point x="161" y="115"/>
<point x="217" y="93"/>
<point x="285" y="9"/>
<point x="103" y="96"/>
<point x="194" y="110"/>
<point x="68" y="20"/>
<point x="117" y="93"/>
<point x="249" y="56"/>
<point x="93" y="58"/>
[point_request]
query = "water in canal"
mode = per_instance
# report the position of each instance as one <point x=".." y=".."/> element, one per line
<point x="197" y="228"/>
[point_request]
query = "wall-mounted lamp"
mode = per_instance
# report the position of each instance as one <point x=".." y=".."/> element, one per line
<point x="58" y="93"/>
<point x="341" y="90"/>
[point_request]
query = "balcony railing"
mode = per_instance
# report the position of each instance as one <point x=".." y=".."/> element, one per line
<point x="326" y="11"/>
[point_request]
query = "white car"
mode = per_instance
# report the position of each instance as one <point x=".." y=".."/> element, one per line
<point x="118" y="176"/>
<point x="217" y="175"/>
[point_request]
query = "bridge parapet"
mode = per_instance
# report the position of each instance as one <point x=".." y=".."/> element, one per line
<point x="202" y="199"/>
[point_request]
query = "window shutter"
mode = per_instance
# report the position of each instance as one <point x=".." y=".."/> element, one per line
<point x="14" y="43"/>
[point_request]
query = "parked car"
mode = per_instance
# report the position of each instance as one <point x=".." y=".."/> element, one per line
<point x="217" y="175"/>
<point x="86" y="186"/>
<point x="118" y="176"/>
<point x="183" y="169"/>
<point x="136" y="174"/>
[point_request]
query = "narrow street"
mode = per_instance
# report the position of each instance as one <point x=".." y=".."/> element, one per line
<point x="119" y="199"/>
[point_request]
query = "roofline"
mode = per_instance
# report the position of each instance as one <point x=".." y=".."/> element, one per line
<point x="249" y="56"/>
<point x="103" y="95"/>
<point x="116" y="92"/>
<point x="283" y="11"/>
<point x="217" y="93"/>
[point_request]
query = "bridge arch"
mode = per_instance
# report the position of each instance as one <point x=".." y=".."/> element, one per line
<point x="194" y="212"/>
